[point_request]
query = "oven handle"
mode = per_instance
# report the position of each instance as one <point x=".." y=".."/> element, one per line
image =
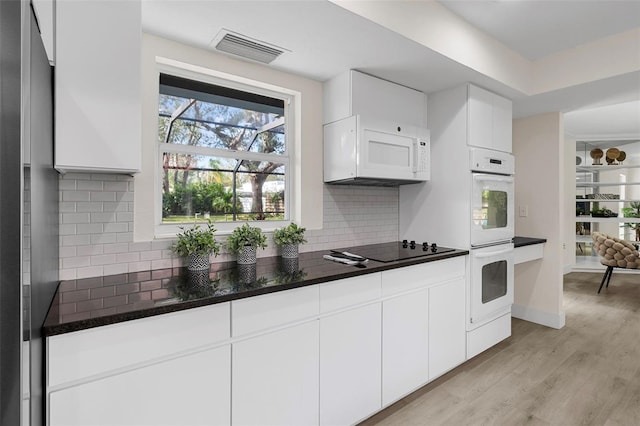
<point x="493" y="253"/>
<point x="492" y="178"/>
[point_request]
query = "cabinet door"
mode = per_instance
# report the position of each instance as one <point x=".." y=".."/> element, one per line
<point x="480" y="118"/>
<point x="97" y="84"/>
<point x="381" y="99"/>
<point x="275" y="378"/>
<point x="191" y="390"/>
<point x="502" y="124"/>
<point x="447" y="333"/>
<point x="350" y="365"/>
<point x="405" y="322"/>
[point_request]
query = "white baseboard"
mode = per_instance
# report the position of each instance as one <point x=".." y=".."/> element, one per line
<point x="539" y="317"/>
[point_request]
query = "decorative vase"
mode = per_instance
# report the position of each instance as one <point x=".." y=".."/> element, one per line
<point x="198" y="279"/>
<point x="247" y="256"/>
<point x="198" y="262"/>
<point x="290" y="251"/>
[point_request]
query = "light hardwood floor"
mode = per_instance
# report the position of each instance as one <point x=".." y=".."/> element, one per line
<point x="587" y="373"/>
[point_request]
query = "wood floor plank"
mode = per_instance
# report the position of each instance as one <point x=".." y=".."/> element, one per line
<point x="587" y="373"/>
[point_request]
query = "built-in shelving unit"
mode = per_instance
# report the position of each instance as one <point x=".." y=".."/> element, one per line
<point x="610" y="186"/>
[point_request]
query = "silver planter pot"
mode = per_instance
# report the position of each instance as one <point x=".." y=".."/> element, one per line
<point x="198" y="262"/>
<point x="247" y="256"/>
<point x="289" y="251"/>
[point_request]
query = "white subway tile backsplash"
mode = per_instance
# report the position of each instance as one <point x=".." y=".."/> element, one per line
<point x="116" y="186"/>
<point x="141" y="246"/>
<point x="75" y="240"/>
<point x="116" y="268"/>
<point x="90" y="185"/>
<point x="116" y="248"/>
<point x="96" y="215"/>
<point x="139" y="266"/>
<point x="91" y="271"/>
<point x="67" y="274"/>
<point x="116" y="227"/>
<point x="103" y="259"/>
<point x="67" y="229"/>
<point x="103" y="217"/>
<point x="89" y="207"/>
<point x="104" y="238"/>
<point x="76" y="262"/>
<point x="127" y="257"/>
<point x="90" y="250"/>
<point x="89" y="228"/>
<point x="75" y="195"/>
<point x="103" y="196"/>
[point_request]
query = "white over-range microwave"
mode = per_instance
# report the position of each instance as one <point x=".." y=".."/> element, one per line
<point x="374" y="152"/>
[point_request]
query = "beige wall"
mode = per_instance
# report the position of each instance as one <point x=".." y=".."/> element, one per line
<point x="308" y="170"/>
<point x="539" y="150"/>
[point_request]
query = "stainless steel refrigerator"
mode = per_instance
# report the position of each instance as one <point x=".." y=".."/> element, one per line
<point x="28" y="213"/>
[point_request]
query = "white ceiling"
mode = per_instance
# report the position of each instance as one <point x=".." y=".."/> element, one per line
<point x="539" y="28"/>
<point x="324" y="40"/>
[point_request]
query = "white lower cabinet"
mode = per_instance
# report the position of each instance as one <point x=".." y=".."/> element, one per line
<point x="190" y="390"/>
<point x="332" y="354"/>
<point x="275" y="378"/>
<point x="405" y="328"/>
<point x="447" y="335"/>
<point x="350" y="365"/>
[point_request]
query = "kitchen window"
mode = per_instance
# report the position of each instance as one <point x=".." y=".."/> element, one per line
<point x="223" y="152"/>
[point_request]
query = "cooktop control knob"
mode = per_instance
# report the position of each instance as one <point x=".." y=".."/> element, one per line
<point x="425" y="246"/>
<point x="404" y="244"/>
<point x="412" y="244"/>
<point x="434" y="247"/>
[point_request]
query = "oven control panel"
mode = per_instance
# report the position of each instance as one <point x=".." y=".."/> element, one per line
<point x="490" y="161"/>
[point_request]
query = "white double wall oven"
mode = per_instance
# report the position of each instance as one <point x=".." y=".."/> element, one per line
<point x="492" y="232"/>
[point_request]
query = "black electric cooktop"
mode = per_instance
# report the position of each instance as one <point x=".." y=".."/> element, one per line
<point x="397" y="250"/>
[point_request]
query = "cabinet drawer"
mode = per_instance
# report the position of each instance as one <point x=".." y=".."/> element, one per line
<point x="348" y="292"/>
<point x="271" y="310"/>
<point x="423" y="275"/>
<point x="80" y="354"/>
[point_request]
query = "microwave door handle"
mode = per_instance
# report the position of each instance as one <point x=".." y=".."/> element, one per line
<point x="414" y="155"/>
<point x="493" y="253"/>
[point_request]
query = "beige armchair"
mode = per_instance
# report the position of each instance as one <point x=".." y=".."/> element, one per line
<point x="614" y="253"/>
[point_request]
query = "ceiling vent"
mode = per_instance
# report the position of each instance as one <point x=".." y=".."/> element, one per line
<point x="246" y="47"/>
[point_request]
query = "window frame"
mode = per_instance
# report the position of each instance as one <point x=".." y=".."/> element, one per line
<point x="288" y="158"/>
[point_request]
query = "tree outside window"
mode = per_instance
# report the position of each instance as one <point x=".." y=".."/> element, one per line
<point x="224" y="153"/>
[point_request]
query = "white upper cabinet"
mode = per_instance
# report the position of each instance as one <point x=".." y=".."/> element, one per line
<point x="97" y="86"/>
<point x="490" y="120"/>
<point x="353" y="92"/>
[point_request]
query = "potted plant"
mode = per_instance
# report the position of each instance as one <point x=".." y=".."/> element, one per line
<point x="244" y="241"/>
<point x="633" y="211"/>
<point x="289" y="238"/>
<point x="196" y="244"/>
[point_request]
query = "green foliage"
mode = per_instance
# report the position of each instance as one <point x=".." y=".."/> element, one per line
<point x="246" y="235"/>
<point x="200" y="197"/>
<point x="290" y="234"/>
<point x="633" y="211"/>
<point x="603" y="212"/>
<point x="197" y="240"/>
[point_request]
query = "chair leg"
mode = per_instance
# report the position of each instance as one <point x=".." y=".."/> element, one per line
<point x="606" y="277"/>
<point x="609" y="279"/>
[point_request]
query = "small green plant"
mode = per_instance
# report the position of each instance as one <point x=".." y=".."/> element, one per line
<point x="290" y="234"/>
<point x="603" y="212"/>
<point x="633" y="211"/>
<point x="246" y="235"/>
<point x="196" y="240"/>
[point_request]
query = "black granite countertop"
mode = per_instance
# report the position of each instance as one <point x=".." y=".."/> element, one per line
<point x="527" y="241"/>
<point x="93" y="302"/>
